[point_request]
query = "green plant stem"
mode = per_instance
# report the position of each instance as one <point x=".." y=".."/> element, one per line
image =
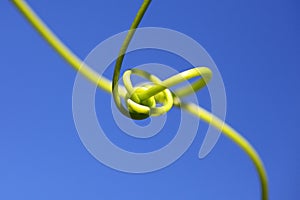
<point x="117" y="69"/>
<point x="110" y="87"/>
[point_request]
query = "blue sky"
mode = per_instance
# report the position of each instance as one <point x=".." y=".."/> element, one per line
<point x="256" y="47"/>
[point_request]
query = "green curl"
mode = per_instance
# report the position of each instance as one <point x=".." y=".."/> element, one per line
<point x="153" y="92"/>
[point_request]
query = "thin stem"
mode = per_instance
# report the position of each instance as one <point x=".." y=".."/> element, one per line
<point x="62" y="49"/>
<point x="122" y="52"/>
<point x="110" y="87"/>
<point x="235" y="137"/>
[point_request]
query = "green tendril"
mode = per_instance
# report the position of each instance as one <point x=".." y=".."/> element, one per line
<point x="142" y="100"/>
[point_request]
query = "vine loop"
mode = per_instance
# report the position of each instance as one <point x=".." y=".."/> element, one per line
<point x="142" y="100"/>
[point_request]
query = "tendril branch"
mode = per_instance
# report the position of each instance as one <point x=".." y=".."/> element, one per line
<point x="141" y="100"/>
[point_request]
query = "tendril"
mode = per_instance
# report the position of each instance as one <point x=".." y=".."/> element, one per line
<point x="142" y="100"/>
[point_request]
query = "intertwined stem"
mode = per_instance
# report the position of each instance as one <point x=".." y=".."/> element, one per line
<point x="112" y="87"/>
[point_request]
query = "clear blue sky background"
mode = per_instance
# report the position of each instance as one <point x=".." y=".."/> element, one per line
<point x="256" y="47"/>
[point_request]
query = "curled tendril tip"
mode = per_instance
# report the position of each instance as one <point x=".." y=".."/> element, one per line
<point x="142" y="100"/>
